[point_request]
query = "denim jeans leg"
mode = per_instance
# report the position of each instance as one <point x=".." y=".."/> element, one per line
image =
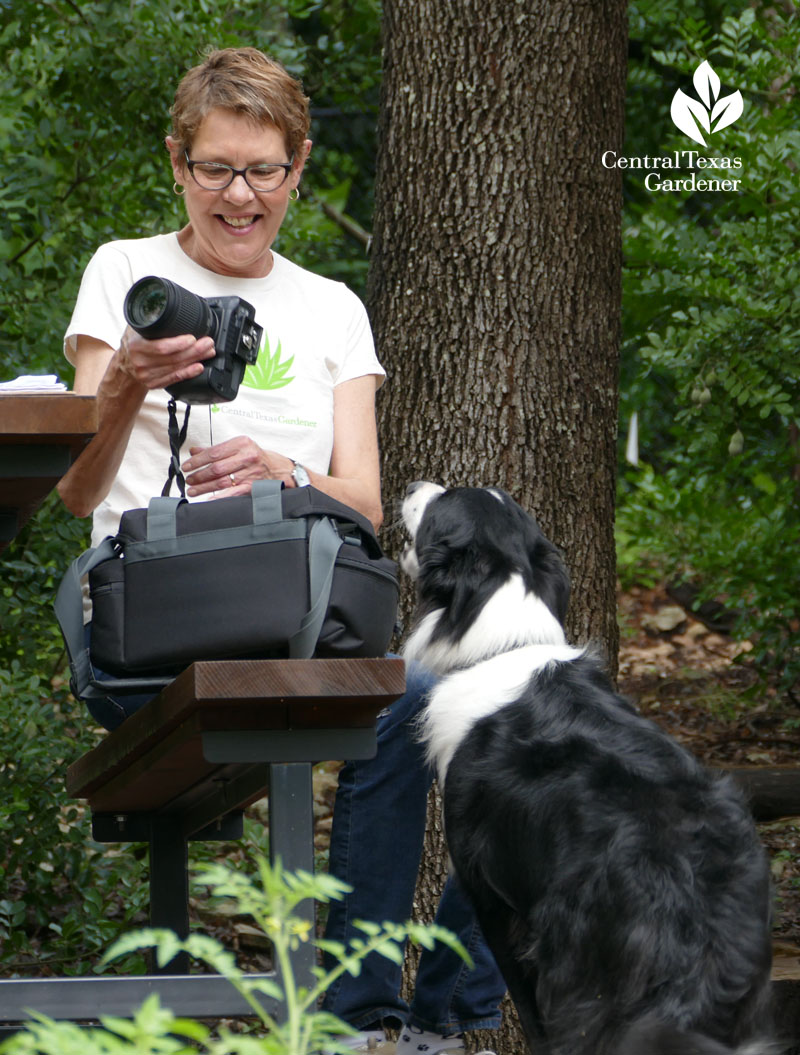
<point x="376" y="845"/>
<point x="111" y="711"/>
<point x="449" y="996"/>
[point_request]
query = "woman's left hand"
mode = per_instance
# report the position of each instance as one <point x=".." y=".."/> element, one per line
<point x="229" y="468"/>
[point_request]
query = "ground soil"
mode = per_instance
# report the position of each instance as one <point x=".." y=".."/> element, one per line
<point x="696" y="683"/>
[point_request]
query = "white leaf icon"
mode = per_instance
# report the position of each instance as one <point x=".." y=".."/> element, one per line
<point x="706" y="83"/>
<point x="683" y="112"/>
<point x="727" y="110"/>
<point x="691" y="116"/>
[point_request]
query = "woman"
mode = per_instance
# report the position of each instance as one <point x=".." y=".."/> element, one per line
<point x="238" y="147"/>
<point x="235" y="110"/>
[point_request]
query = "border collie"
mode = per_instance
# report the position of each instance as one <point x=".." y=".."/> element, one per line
<point x="621" y="887"/>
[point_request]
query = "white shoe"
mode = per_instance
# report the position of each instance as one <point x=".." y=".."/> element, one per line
<point x="369" y="1041"/>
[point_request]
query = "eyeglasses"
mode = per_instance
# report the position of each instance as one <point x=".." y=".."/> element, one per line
<point x="213" y="176"/>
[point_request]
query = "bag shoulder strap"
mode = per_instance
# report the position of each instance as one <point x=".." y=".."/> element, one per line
<point x="323" y="547"/>
<point x="68" y="609"/>
<point x="69" y="613"/>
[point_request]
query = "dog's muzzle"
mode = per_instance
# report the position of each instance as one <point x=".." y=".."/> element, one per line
<point x="418" y="495"/>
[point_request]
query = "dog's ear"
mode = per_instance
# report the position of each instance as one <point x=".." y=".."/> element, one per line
<point x="447" y="557"/>
<point x="550" y="578"/>
<point x="456" y="572"/>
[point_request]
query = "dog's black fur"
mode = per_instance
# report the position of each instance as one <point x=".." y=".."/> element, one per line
<point x="621" y="887"/>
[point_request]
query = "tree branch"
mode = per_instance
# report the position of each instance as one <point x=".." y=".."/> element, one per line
<point x="347" y="224"/>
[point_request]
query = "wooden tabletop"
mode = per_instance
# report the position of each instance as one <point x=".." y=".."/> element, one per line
<point x="157" y="754"/>
<point x="41" y="434"/>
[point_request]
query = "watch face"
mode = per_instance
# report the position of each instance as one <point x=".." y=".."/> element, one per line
<point x="300" y="476"/>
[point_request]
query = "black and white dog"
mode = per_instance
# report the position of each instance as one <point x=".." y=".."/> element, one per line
<point x="621" y="887"/>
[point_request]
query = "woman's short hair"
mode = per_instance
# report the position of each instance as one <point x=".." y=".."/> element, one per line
<point x="247" y="82"/>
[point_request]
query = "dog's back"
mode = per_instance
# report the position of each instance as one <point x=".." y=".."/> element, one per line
<point x="621" y="879"/>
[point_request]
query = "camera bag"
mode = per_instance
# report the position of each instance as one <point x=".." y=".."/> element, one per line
<point x="275" y="574"/>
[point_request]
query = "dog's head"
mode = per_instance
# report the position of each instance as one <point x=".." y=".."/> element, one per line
<point x="487" y="578"/>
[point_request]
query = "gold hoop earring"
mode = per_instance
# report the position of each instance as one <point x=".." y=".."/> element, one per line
<point x="176" y="189"/>
<point x="296" y="192"/>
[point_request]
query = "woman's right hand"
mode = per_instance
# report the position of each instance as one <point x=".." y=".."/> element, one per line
<point x="162" y="362"/>
<point x="121" y="379"/>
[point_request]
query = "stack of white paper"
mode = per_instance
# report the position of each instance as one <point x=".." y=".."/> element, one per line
<point x="34" y="383"/>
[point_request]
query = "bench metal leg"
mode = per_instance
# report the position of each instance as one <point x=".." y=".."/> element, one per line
<point x="169" y="885"/>
<point x="291" y="837"/>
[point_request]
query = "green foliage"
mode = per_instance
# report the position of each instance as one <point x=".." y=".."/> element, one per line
<point x="342" y="76"/>
<point x="712" y="327"/>
<point x="64" y="896"/>
<point x="32" y="568"/>
<point x="153" y="1030"/>
<point x="272" y="902"/>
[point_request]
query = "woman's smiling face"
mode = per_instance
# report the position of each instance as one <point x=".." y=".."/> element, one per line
<point x="230" y="231"/>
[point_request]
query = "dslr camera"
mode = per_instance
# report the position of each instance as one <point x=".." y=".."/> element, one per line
<point x="156" y="307"/>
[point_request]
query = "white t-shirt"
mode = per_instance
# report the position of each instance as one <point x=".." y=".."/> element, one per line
<point x="316" y="336"/>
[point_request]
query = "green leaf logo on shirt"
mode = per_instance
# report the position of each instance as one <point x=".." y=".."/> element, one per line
<point x="268" y="372"/>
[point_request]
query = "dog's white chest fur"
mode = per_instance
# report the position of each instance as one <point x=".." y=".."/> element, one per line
<point x="512" y="617"/>
<point x="462" y="698"/>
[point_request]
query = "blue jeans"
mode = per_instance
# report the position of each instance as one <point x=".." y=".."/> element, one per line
<point x="111" y="711"/>
<point x="376" y="846"/>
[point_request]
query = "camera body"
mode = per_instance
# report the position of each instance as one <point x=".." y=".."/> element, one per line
<point x="157" y="307"/>
<point x="237" y="338"/>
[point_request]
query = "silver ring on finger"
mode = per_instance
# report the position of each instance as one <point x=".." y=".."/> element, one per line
<point x="233" y="481"/>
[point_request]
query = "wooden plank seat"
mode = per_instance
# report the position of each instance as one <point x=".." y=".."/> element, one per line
<point x="185" y="766"/>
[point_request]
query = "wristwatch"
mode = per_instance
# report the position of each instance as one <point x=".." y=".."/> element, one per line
<point x="300" y="475"/>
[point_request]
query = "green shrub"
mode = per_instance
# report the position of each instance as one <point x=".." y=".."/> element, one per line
<point x="64" y="896"/>
<point x="302" y="1030"/>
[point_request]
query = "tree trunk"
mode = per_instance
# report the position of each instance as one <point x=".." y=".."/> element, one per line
<point x="494" y="285"/>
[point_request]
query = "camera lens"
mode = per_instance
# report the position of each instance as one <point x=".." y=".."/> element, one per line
<point x="149" y="303"/>
<point x="156" y="307"/>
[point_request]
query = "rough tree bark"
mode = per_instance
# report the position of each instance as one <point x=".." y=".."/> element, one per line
<point x="494" y="285"/>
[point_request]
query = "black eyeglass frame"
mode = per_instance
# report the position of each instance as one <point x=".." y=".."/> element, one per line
<point x="286" y="166"/>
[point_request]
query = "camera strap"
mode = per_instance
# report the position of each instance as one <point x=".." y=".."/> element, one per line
<point x="176" y="437"/>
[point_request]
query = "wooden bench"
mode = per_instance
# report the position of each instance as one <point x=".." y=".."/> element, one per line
<point x="185" y="766"/>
